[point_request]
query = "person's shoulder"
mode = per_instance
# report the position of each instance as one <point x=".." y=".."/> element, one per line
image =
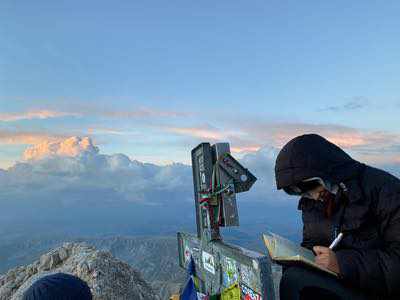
<point x="379" y="177"/>
<point x="382" y="186"/>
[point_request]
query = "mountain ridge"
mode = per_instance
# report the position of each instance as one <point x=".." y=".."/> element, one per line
<point x="106" y="276"/>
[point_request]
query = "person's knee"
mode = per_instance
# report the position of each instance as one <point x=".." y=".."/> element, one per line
<point x="301" y="283"/>
<point x="313" y="292"/>
<point x="291" y="283"/>
<point x="292" y="275"/>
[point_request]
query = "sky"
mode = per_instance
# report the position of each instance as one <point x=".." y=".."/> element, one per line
<point x="152" y="79"/>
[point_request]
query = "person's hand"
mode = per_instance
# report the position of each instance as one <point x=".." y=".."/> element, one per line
<point x="326" y="258"/>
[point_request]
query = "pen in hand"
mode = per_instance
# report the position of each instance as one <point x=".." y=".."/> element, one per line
<point x="326" y="257"/>
<point x="336" y="241"/>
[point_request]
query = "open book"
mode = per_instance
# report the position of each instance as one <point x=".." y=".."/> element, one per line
<point x="285" y="252"/>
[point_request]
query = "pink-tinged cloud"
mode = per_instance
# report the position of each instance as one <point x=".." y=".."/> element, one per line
<point x="70" y="147"/>
<point x="140" y="113"/>
<point x="26" y="138"/>
<point x="146" y="113"/>
<point x="343" y="139"/>
<point x="278" y="134"/>
<point x="245" y="149"/>
<point x="198" y="132"/>
<point x="372" y="146"/>
<point x="35" y="114"/>
<point x="378" y="159"/>
<point x="111" y="131"/>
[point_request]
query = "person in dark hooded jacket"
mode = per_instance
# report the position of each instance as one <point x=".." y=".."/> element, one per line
<point x="340" y="194"/>
<point x="58" y="286"/>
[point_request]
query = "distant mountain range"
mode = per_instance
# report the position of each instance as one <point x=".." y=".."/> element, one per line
<point x="156" y="258"/>
<point x="159" y="268"/>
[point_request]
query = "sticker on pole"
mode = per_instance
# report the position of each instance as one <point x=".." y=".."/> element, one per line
<point x="187" y="253"/>
<point x="249" y="294"/>
<point x="230" y="271"/>
<point x="208" y="262"/>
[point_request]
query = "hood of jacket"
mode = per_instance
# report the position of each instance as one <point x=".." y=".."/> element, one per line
<point x="311" y="155"/>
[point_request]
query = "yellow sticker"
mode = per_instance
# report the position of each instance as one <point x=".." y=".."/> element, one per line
<point x="231" y="293"/>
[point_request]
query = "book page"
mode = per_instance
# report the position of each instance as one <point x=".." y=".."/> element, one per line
<point x="285" y="252"/>
<point x="278" y="246"/>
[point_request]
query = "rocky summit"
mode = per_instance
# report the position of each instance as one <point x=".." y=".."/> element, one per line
<point x="107" y="277"/>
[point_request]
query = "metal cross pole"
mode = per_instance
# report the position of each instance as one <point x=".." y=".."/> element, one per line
<point x="217" y="177"/>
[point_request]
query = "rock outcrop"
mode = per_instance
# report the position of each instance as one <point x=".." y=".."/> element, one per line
<point x="160" y="269"/>
<point x="107" y="277"/>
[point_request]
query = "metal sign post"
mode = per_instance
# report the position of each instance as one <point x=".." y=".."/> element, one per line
<point x="217" y="178"/>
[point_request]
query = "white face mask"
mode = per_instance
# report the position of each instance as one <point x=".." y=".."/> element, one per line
<point x="314" y="194"/>
<point x="324" y="185"/>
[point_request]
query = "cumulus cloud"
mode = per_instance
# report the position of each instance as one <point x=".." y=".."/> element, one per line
<point x="35" y="114"/>
<point x="262" y="164"/>
<point x="62" y="170"/>
<point x="71" y="184"/>
<point x="71" y="147"/>
<point x="76" y="162"/>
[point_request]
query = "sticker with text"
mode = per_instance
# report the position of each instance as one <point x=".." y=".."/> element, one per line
<point x="208" y="262"/>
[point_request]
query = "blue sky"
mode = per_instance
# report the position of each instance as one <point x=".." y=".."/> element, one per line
<point x="151" y="79"/>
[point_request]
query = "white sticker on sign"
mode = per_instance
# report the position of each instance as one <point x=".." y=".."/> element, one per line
<point x="255" y="264"/>
<point x="188" y="254"/>
<point x="208" y="262"/>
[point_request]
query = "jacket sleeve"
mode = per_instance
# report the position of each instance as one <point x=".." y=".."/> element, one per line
<point x="377" y="270"/>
